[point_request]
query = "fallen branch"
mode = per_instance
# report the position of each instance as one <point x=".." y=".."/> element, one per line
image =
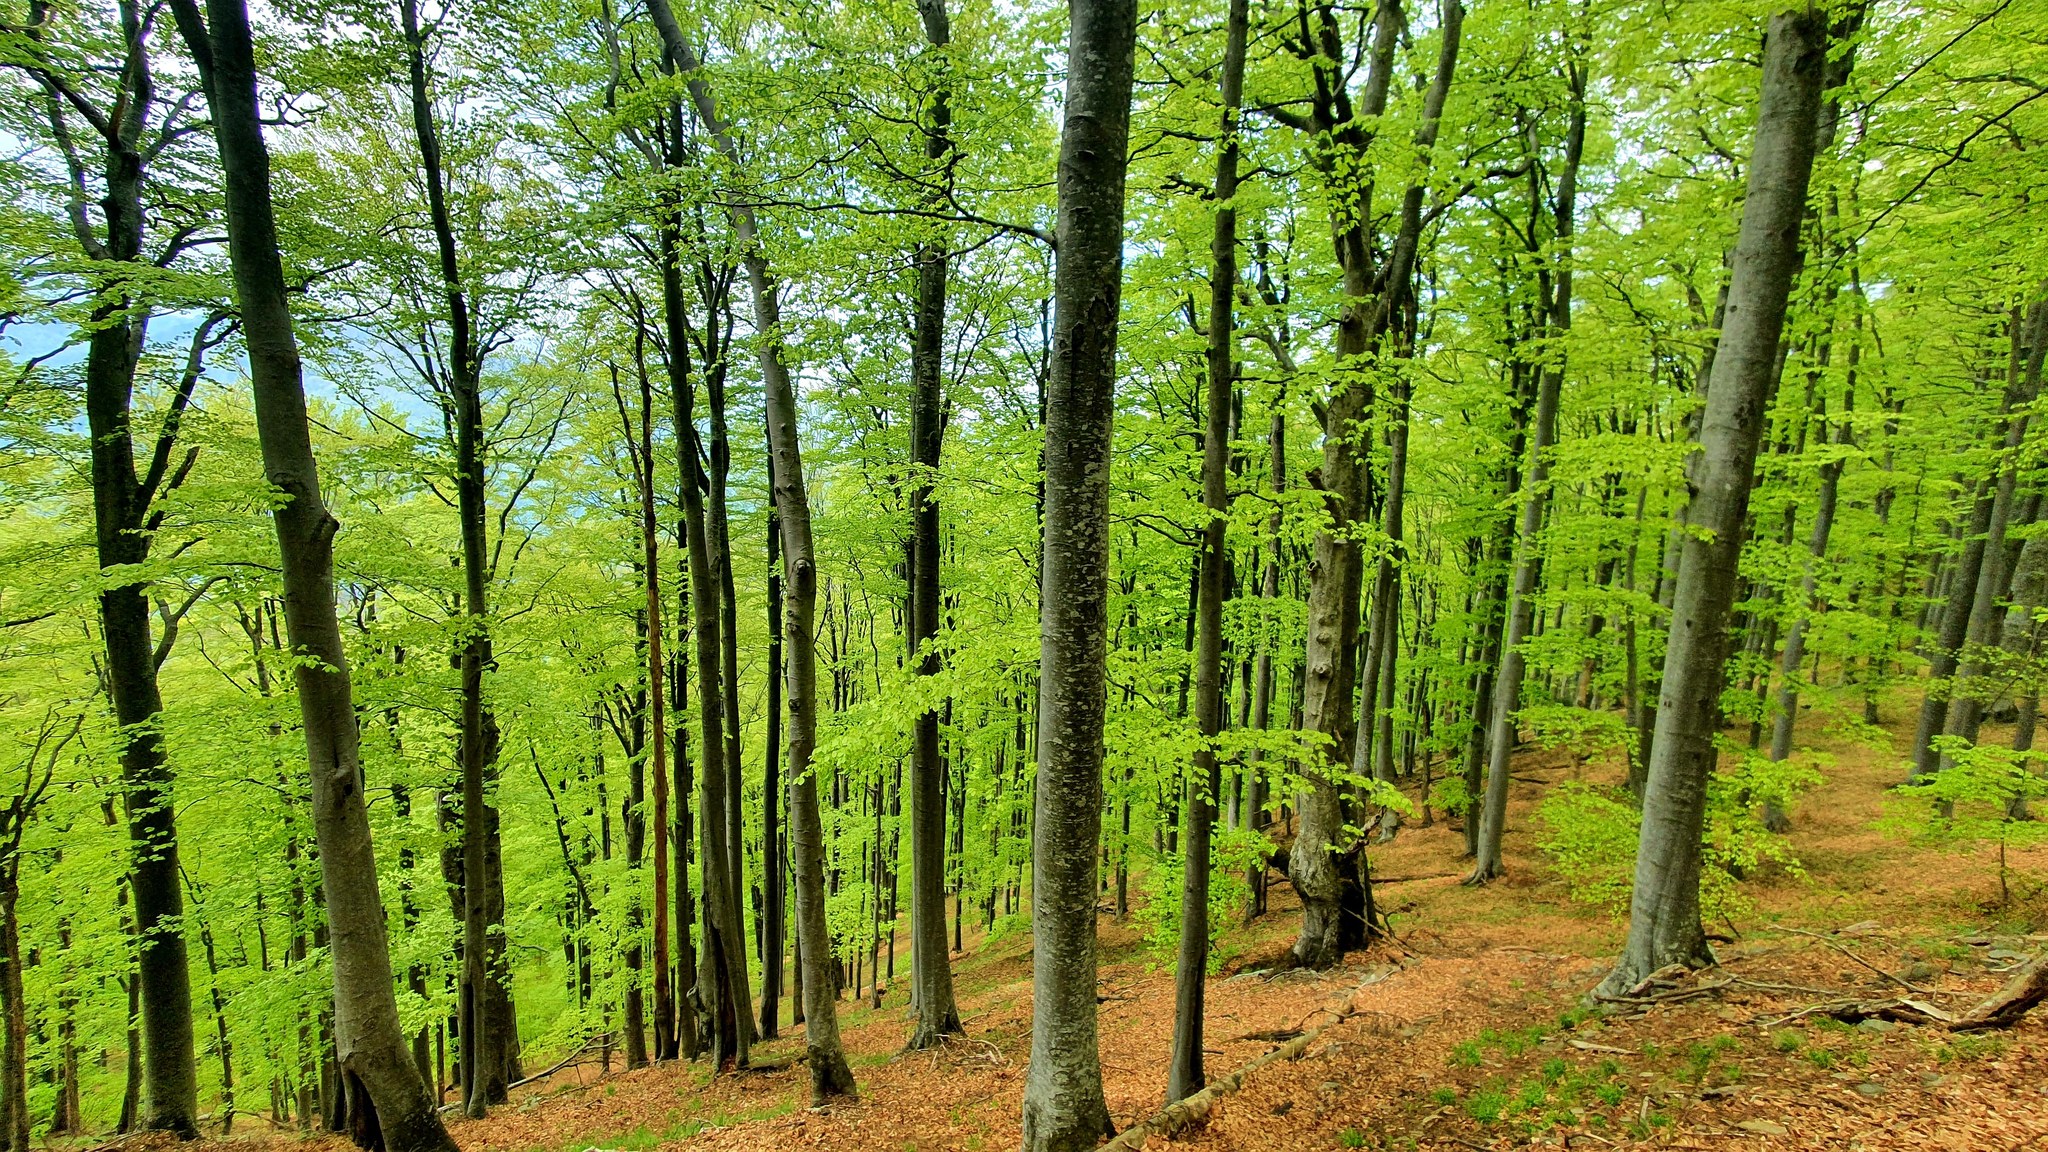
<point x="1194" y="1109"/>
<point x="2027" y="988"/>
<point x="596" y="1041"/>
<point x="1901" y="982"/>
<point x="1857" y="1011"/>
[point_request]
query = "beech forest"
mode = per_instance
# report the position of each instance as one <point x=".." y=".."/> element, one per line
<point x="654" y="575"/>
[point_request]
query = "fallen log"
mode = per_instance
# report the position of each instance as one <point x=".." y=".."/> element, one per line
<point x="1194" y="1109"/>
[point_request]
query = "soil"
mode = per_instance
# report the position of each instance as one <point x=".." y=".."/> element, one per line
<point x="1467" y="1030"/>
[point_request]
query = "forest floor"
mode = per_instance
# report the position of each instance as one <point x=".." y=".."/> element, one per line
<point x="1466" y="1032"/>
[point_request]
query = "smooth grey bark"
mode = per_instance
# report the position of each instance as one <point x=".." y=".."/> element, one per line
<point x="369" y="1045"/>
<point x="1507" y="685"/>
<point x="1664" y="916"/>
<point x="1184" y="1075"/>
<point x="1064" y="1110"/>
<point x="931" y="965"/>
<point x="830" y="1076"/>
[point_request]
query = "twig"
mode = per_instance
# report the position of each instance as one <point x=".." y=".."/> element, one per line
<point x="1900" y="981"/>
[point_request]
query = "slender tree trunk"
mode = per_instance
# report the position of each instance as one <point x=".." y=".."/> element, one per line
<point x="369" y="1043"/>
<point x="1981" y="626"/>
<point x="14" y="1117"/>
<point x="1507" y="684"/>
<point x="775" y="883"/>
<point x="1664" y="920"/>
<point x="483" y="1029"/>
<point x="1064" y="1110"/>
<point x="1185" y="1075"/>
<point x="830" y="1076"/>
<point x="932" y="968"/>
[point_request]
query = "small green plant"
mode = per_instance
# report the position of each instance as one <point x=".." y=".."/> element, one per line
<point x="1486" y="1104"/>
<point x="1820" y="1057"/>
<point x="1788" y="1039"/>
<point x="1467" y="1053"/>
<point x="1444" y="1096"/>
<point x="1981" y="798"/>
<point x="1964" y="1046"/>
<point x="1351" y="1138"/>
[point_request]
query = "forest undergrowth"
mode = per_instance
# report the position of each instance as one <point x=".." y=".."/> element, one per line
<point x="1469" y="1030"/>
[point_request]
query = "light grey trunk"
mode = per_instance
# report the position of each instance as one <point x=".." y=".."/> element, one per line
<point x="1664" y="913"/>
<point x="830" y="1076"/>
<point x="1064" y="1110"/>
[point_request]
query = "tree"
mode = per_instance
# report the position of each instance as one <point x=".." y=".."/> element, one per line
<point x="932" y="971"/>
<point x="1063" y="1103"/>
<point x="396" y="1112"/>
<point x="1664" y="916"/>
<point x="1205" y="782"/>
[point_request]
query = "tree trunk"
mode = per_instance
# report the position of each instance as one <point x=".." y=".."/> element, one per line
<point x="774" y="882"/>
<point x="1507" y="685"/>
<point x="1064" y="1110"/>
<point x="1185" y="1075"/>
<point x="1664" y="920"/>
<point x="369" y="1043"/>
<point x="931" y="966"/>
<point x="830" y="1075"/>
<point x="483" y="955"/>
<point x="1981" y="628"/>
<point x="123" y="529"/>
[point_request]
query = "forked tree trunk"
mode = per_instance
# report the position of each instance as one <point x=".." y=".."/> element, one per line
<point x="369" y="1044"/>
<point x="1184" y="1075"/>
<point x="124" y="526"/>
<point x="1320" y="867"/>
<point x="1064" y="1110"/>
<point x="1664" y="914"/>
<point x="931" y="966"/>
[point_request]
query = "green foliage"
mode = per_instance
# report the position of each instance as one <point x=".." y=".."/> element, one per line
<point x="1979" y="798"/>
<point x="1590" y="837"/>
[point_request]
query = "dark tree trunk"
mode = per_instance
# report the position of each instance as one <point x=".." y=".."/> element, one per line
<point x="1185" y="1074"/>
<point x="931" y="967"/>
<point x="369" y="1043"/>
<point x="1064" y="1109"/>
<point x="774" y="882"/>
<point x="124" y="525"/>
<point x="484" y="976"/>
<point x="1664" y="919"/>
